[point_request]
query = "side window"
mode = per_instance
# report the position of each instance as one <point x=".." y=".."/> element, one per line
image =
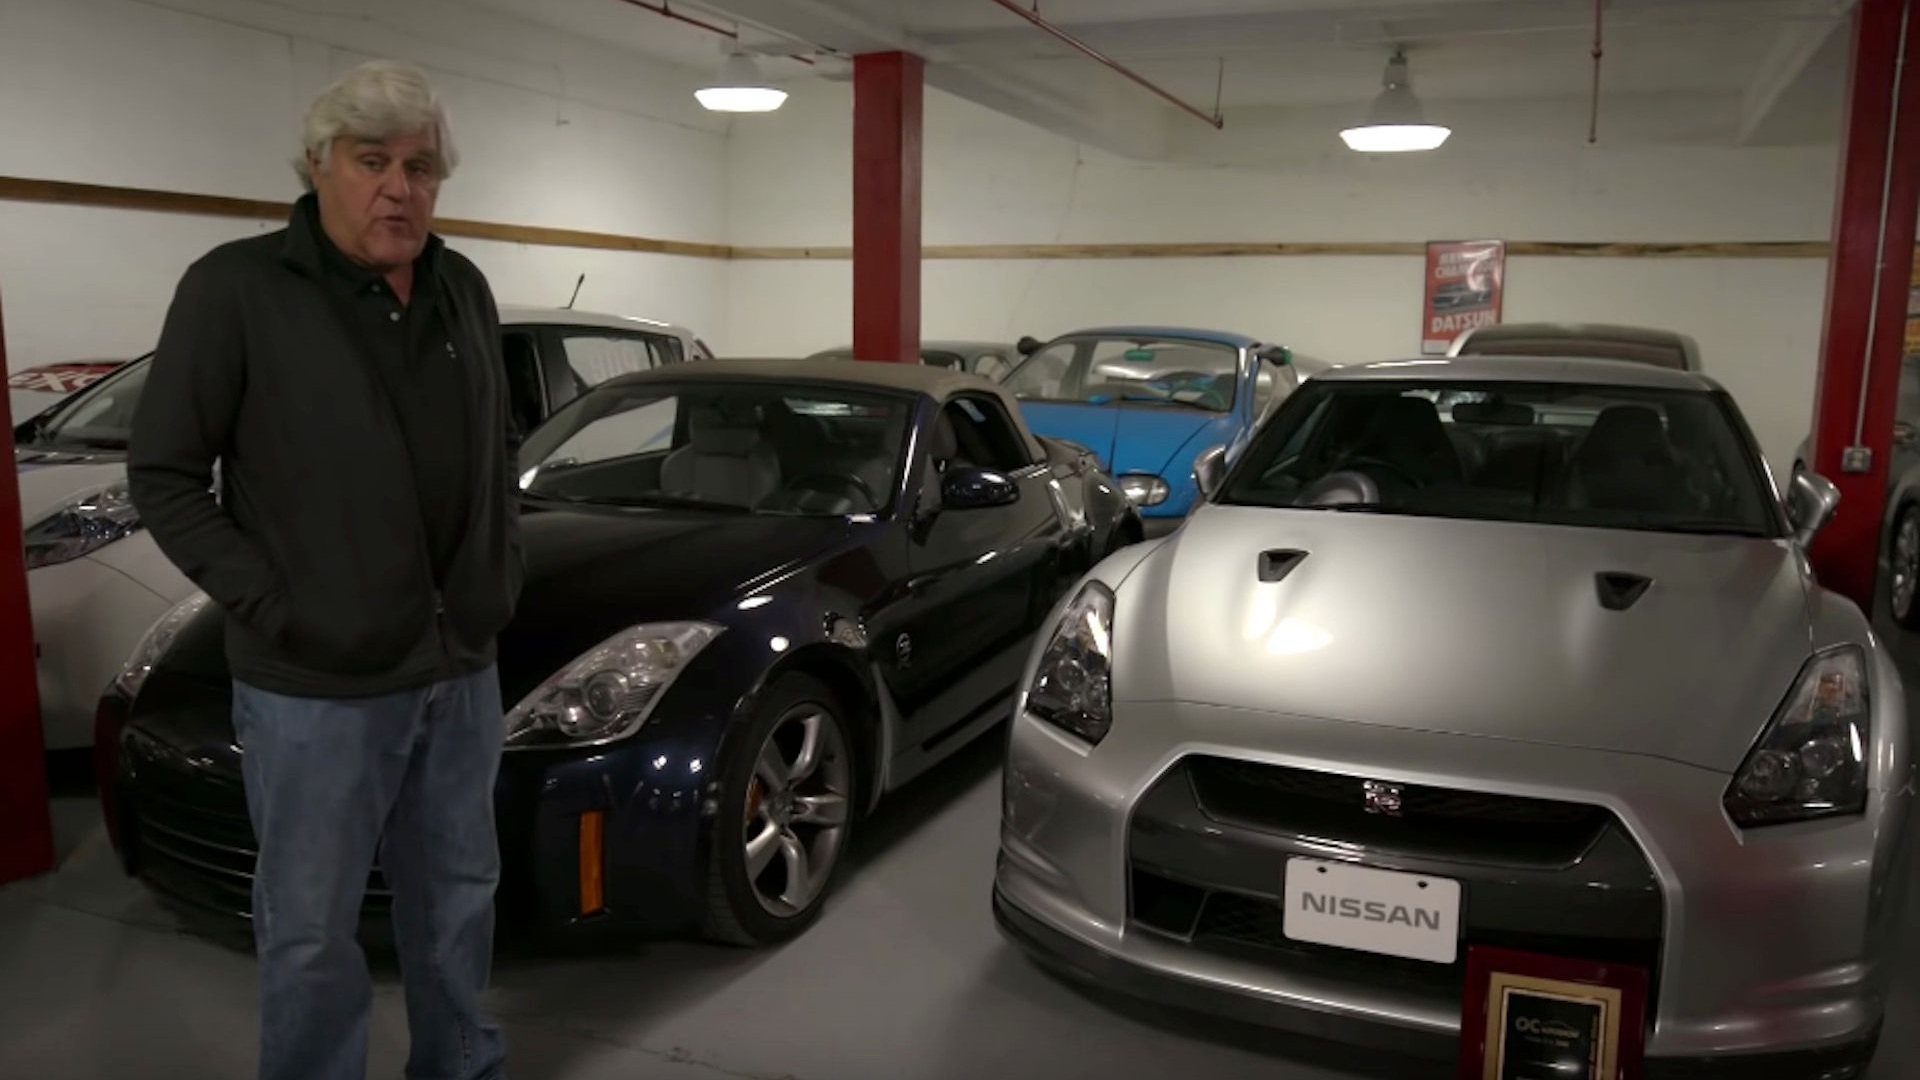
<point x="1044" y="376"/>
<point x="594" y="356"/>
<point x="993" y="366"/>
<point x="985" y="436"/>
<point x="666" y="350"/>
<point x="526" y="396"/>
<point x="1909" y="405"/>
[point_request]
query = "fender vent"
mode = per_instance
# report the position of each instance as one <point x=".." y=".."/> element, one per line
<point x="1277" y="564"/>
<point x="1618" y="592"/>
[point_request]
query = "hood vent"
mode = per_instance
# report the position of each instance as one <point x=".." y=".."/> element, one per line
<point x="1277" y="564"/>
<point x="1618" y="592"/>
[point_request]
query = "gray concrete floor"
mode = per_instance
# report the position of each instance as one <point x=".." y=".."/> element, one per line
<point x="904" y="978"/>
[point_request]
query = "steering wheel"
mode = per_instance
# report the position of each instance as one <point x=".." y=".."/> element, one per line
<point x="1342" y="488"/>
<point x="1396" y="471"/>
<point x="834" y="483"/>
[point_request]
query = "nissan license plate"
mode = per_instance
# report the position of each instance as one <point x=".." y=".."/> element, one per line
<point x="1377" y="911"/>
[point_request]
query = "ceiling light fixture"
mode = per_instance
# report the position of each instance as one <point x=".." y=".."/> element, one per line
<point x="741" y="88"/>
<point x="1395" y="122"/>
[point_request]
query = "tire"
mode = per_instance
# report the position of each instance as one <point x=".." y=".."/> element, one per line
<point x="1903" y="565"/>
<point x="769" y="906"/>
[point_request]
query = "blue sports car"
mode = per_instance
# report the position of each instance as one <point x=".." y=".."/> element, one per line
<point x="1148" y="400"/>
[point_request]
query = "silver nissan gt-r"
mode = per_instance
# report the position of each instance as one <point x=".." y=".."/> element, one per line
<point x="1485" y="651"/>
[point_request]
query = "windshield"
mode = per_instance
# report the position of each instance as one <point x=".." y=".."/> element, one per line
<point x="1556" y="453"/>
<point x="1133" y="371"/>
<point x="733" y="446"/>
<point x="100" y="416"/>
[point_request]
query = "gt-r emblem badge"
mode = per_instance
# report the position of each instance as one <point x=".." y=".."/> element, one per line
<point x="903" y="650"/>
<point x="1382" y="798"/>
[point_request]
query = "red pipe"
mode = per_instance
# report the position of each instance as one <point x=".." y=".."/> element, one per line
<point x="663" y="9"/>
<point x="1096" y="55"/>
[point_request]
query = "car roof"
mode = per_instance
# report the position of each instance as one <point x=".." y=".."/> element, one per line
<point x="1217" y="337"/>
<point x="1550" y="369"/>
<point x="935" y="382"/>
<point x="939" y="345"/>
<point x="515" y="314"/>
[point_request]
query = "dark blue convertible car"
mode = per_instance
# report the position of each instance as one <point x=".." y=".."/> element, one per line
<point x="760" y="596"/>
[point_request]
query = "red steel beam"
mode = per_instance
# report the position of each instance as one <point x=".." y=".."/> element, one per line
<point x="1875" y="214"/>
<point x="1213" y="119"/>
<point x="888" y="93"/>
<point x="26" y="824"/>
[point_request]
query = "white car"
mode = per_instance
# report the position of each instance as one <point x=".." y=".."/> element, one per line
<point x="32" y="391"/>
<point x="97" y="581"/>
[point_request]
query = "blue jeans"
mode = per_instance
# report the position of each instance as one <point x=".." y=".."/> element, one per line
<point x="330" y="784"/>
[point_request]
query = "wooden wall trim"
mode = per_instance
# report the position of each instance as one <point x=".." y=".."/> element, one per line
<point x="65" y="193"/>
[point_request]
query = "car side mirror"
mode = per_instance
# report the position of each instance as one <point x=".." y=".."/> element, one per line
<point x="1210" y="471"/>
<point x="1028" y="345"/>
<point x="969" y="488"/>
<point x="1811" y="501"/>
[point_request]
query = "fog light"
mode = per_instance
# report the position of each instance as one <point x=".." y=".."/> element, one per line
<point x="593" y="830"/>
<point x="1144" y="490"/>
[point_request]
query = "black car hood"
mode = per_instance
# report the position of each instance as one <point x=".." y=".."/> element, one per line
<point x="592" y="572"/>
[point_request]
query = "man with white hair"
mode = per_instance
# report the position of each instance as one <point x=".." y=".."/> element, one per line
<point x="346" y="374"/>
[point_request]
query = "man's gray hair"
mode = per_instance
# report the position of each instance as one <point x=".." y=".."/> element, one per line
<point x="377" y="100"/>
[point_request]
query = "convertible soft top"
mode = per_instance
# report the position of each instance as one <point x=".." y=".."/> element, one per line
<point x="937" y="383"/>
<point x="1525" y="369"/>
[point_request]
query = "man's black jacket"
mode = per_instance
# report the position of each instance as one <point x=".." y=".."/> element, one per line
<point x="316" y="548"/>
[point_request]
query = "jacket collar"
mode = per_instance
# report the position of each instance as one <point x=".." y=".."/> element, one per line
<point x="308" y="249"/>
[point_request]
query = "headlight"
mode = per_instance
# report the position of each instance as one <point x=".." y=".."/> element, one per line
<point x="610" y="692"/>
<point x="139" y="665"/>
<point x="84" y="525"/>
<point x="1811" y="761"/>
<point x="1073" y="688"/>
<point x="1144" y="490"/>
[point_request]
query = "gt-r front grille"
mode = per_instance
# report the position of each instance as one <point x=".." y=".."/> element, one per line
<point x="1212" y="843"/>
<point x="1427" y="821"/>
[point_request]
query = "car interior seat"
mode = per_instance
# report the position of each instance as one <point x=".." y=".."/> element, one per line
<point x="1406" y="433"/>
<point x="1625" y="463"/>
<point x="725" y="460"/>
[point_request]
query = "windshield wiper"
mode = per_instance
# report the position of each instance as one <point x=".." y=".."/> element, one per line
<point x="1701" y="528"/>
<point x="676" y="502"/>
<point x="94" y="442"/>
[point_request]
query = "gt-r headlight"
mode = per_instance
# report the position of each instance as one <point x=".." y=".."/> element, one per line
<point x="609" y="692"/>
<point x="1811" y="761"/>
<point x="81" y="527"/>
<point x="155" y="643"/>
<point x="1143" y="489"/>
<point x="1073" y="687"/>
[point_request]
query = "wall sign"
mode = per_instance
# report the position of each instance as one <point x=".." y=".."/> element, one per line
<point x="1465" y="286"/>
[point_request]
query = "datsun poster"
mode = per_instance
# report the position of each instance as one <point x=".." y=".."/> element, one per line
<point x="1465" y="285"/>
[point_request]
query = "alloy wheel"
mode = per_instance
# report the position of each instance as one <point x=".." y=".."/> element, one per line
<point x="1906" y="563"/>
<point x="798" y="804"/>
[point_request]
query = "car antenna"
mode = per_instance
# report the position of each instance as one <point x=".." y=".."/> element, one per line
<point x="576" y="291"/>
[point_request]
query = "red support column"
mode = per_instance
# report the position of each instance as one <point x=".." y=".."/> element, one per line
<point x="1867" y="280"/>
<point x="887" y="94"/>
<point x="26" y="825"/>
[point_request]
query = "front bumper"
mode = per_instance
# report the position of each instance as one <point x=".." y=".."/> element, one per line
<point x="1764" y="942"/>
<point x="87" y="619"/>
<point x="179" y="818"/>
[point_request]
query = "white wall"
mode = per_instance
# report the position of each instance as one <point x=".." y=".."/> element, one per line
<point x="206" y="96"/>
<point x="994" y="180"/>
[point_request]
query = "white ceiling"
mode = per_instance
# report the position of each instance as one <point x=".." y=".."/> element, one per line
<point x="1762" y="70"/>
